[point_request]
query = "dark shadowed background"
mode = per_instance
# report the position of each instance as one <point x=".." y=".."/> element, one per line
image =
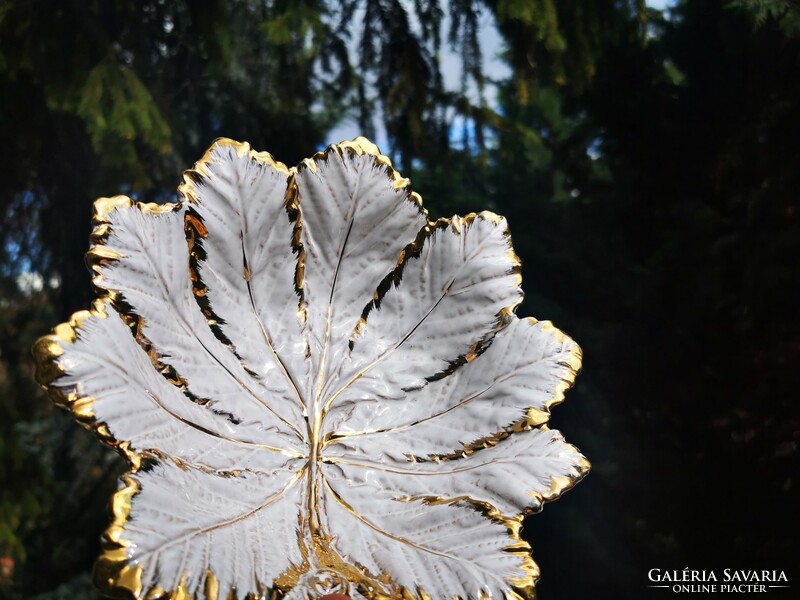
<point x="647" y="157"/>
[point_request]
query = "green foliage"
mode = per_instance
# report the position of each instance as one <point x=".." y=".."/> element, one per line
<point x="560" y="43"/>
<point x="540" y="16"/>
<point x="647" y="163"/>
<point x="298" y="20"/>
<point x="785" y="13"/>
<point x="655" y="213"/>
<point x="118" y="109"/>
<point x="21" y="315"/>
<point x="660" y="230"/>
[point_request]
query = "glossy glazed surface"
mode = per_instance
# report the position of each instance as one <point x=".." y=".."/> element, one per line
<point x="319" y="390"/>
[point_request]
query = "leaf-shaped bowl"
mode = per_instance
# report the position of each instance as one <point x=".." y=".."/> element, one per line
<point x="318" y="389"/>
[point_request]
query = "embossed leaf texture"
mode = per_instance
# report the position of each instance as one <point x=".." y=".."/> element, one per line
<point x="318" y="389"/>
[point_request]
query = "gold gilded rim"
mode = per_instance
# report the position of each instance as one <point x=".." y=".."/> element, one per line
<point x="113" y="573"/>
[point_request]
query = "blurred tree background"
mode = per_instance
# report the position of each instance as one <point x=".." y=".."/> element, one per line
<point x="648" y="162"/>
